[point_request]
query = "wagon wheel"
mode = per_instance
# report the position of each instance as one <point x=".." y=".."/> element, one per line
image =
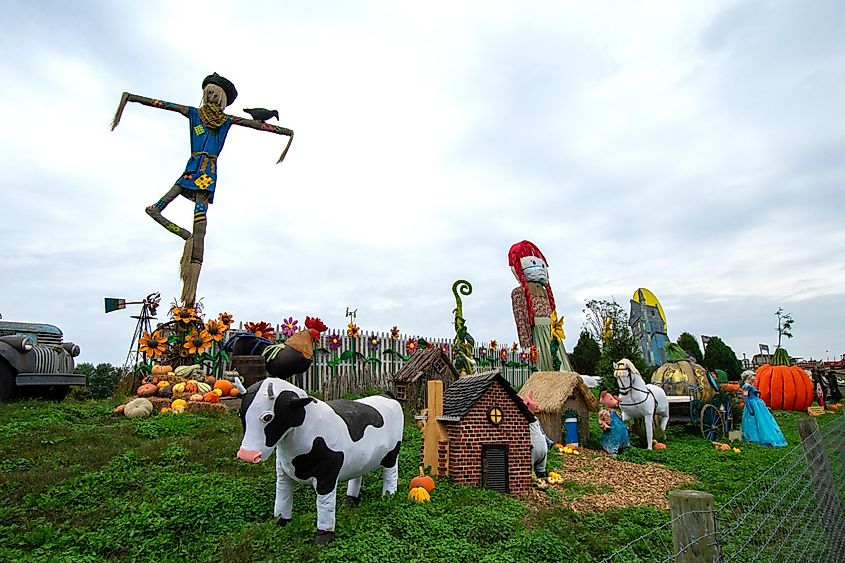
<point x="712" y="422"/>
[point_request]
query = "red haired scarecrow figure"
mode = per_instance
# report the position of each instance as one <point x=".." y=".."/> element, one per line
<point x="537" y="321"/>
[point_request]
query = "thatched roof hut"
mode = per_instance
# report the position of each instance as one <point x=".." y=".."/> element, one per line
<point x="560" y="394"/>
<point x="409" y="383"/>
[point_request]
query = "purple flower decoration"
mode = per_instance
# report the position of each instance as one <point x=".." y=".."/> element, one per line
<point x="289" y="327"/>
<point x="334" y="341"/>
<point x="445" y="348"/>
<point x="482" y="352"/>
<point x="373" y="343"/>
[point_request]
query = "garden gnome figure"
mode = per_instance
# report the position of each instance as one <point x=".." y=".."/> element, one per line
<point x="537" y="321"/>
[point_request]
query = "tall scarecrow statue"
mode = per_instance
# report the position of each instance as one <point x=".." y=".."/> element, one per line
<point x="208" y="127"/>
<point x="537" y="321"/>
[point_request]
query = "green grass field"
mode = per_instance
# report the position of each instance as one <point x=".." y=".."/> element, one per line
<point x="79" y="484"/>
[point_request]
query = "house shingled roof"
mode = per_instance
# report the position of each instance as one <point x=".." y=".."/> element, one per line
<point x="421" y="362"/>
<point x="461" y="395"/>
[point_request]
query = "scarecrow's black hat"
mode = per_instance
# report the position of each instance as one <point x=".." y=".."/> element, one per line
<point x="228" y="87"/>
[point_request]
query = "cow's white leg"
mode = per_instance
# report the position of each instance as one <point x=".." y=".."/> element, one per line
<point x="284" y="492"/>
<point x="326" y="510"/>
<point x="353" y="488"/>
<point x="390" y="479"/>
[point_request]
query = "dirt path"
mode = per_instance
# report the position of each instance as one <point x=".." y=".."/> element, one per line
<point x="594" y="481"/>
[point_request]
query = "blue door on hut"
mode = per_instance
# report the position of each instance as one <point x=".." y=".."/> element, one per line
<point x="570" y="427"/>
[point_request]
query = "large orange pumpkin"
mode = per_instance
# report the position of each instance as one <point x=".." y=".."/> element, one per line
<point x="784" y="386"/>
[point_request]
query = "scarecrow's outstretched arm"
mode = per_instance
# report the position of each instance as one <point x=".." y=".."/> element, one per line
<point x="160" y="104"/>
<point x="261" y="126"/>
<point x="170" y="106"/>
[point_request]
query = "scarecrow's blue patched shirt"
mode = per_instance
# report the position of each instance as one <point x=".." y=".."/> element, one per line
<point x="206" y="143"/>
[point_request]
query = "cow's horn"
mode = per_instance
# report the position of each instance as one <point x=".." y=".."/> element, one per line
<point x="270" y="394"/>
<point x="239" y="385"/>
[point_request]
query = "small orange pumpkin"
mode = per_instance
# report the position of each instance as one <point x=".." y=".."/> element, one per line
<point x="161" y="370"/>
<point x="224" y="385"/>
<point x="191" y="386"/>
<point x="211" y="397"/>
<point x="147" y="390"/>
<point x="422" y="480"/>
<point x="234" y="392"/>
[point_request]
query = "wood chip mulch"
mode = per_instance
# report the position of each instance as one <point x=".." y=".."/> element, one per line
<point x="594" y="482"/>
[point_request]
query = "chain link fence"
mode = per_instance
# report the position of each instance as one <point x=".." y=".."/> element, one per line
<point x="793" y="511"/>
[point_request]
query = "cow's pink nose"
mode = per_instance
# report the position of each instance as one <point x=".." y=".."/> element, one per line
<point x="252" y="456"/>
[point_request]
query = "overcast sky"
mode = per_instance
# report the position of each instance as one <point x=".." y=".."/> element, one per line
<point x="695" y="149"/>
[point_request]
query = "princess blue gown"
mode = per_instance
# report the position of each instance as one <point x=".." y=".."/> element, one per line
<point x="758" y="424"/>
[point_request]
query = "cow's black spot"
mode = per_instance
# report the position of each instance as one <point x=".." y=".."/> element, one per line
<point x="288" y="412"/>
<point x="321" y="463"/>
<point x="357" y="416"/>
<point x="389" y="459"/>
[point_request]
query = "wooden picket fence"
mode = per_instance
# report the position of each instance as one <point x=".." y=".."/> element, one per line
<point x="375" y="357"/>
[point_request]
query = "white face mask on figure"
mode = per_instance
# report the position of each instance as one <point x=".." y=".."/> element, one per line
<point x="534" y="269"/>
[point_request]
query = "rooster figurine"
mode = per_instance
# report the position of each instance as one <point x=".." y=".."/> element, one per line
<point x="283" y="360"/>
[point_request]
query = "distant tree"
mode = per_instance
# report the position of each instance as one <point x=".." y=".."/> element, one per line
<point x="785" y="323"/>
<point x="101" y="380"/>
<point x="608" y="322"/>
<point x="690" y="345"/>
<point x="586" y="354"/>
<point x="718" y="355"/>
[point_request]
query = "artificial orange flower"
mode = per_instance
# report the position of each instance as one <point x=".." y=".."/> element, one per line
<point x="535" y="354"/>
<point x="261" y="329"/>
<point x="152" y="344"/>
<point x="184" y="314"/>
<point x="216" y="330"/>
<point x="352" y="330"/>
<point x="493" y="345"/>
<point x="197" y="343"/>
<point x="226" y="319"/>
<point x="394" y="332"/>
<point x="514" y="347"/>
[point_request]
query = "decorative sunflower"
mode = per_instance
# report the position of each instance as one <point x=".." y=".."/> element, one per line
<point x="197" y="343"/>
<point x="494" y="345"/>
<point x="184" y="314"/>
<point x="262" y="329"/>
<point x="216" y="330"/>
<point x="226" y="319"/>
<point x="152" y="345"/>
<point x="394" y="332"/>
<point x="353" y="330"/>
<point x="514" y="347"/>
<point x="535" y="354"/>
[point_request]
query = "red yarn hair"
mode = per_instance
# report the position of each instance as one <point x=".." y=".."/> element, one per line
<point x="521" y="250"/>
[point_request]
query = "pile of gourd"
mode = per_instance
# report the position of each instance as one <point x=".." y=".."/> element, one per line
<point x="185" y="384"/>
<point x="420" y="487"/>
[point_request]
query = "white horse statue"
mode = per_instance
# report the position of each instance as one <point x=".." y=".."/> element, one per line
<point x="638" y="400"/>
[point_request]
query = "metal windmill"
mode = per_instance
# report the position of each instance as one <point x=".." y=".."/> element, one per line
<point x="149" y="306"/>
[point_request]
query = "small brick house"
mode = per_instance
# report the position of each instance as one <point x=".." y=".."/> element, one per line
<point x="482" y="437"/>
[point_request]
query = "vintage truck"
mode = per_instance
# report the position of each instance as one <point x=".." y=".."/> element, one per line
<point x="34" y="361"/>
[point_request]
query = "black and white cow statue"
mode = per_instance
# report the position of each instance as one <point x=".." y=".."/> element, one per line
<point x="319" y="443"/>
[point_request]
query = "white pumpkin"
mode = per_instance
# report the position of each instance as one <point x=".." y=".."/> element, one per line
<point x="137" y="408"/>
